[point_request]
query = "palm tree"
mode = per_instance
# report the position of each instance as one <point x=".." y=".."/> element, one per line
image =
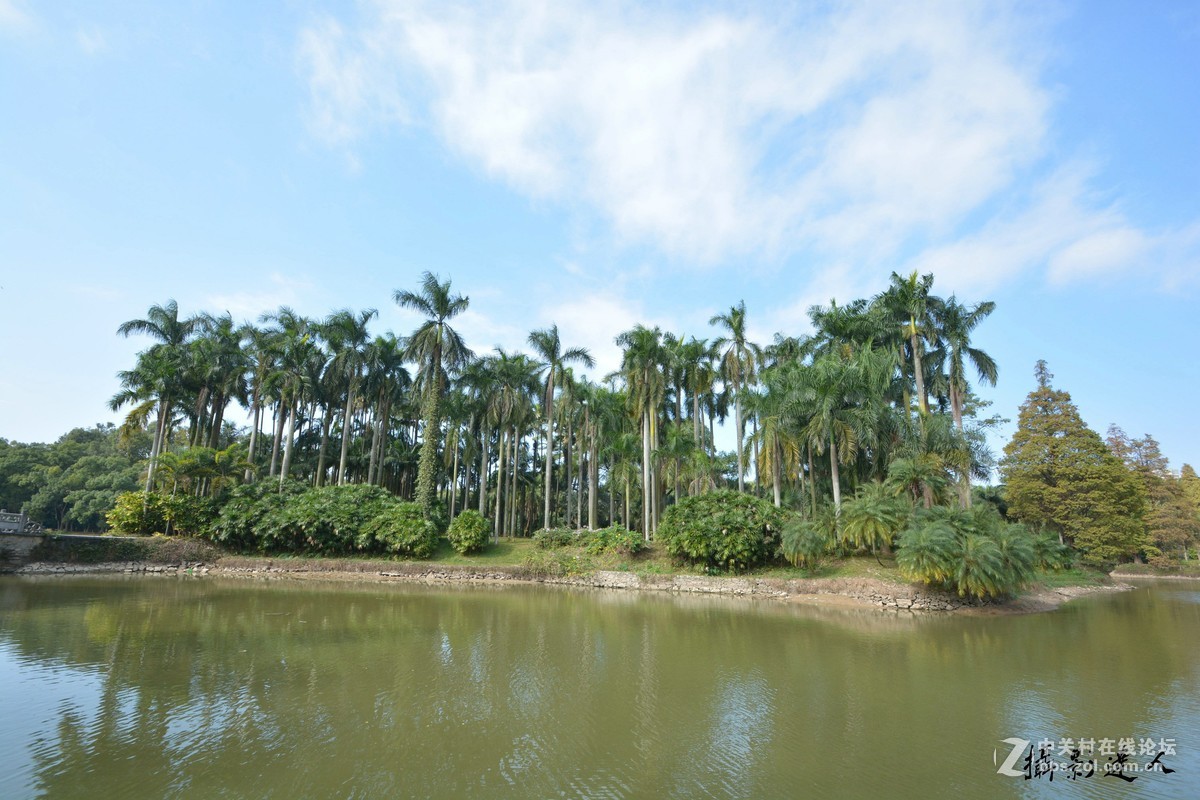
<point x="387" y="383"/>
<point x="295" y="350"/>
<point x="510" y="408"/>
<point x="737" y="368"/>
<point x="778" y="440"/>
<point x="225" y="366"/>
<point x="547" y="346"/>
<point x="641" y="368"/>
<point x="258" y="343"/>
<point x="954" y="324"/>
<point x="909" y="301"/>
<point x="698" y="376"/>
<point x="162" y="368"/>
<point x="839" y="394"/>
<point x="872" y="518"/>
<point x="435" y="347"/>
<point x="347" y="336"/>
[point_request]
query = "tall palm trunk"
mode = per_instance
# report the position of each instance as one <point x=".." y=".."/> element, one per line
<point x="628" y="489"/>
<point x="483" y="474"/>
<point x="501" y="479"/>
<point x="156" y="446"/>
<point x="257" y="415"/>
<point x="326" y="424"/>
<point x="918" y="372"/>
<point x="278" y="440"/>
<point x="567" y="469"/>
<point x="646" y="476"/>
<point x="775" y="475"/>
<point x="214" y="438"/>
<point x="345" y="453"/>
<point x="754" y="454"/>
<point x="287" y="445"/>
<point x="548" y="488"/>
<point x="654" y="496"/>
<point x="515" y="462"/>
<point x="593" y="477"/>
<point x="737" y="410"/>
<point x="833" y="467"/>
<point x="454" y="480"/>
<point x="584" y="474"/>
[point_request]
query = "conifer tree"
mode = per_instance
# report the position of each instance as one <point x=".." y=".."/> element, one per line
<point x="1061" y="476"/>
<point x="1171" y="519"/>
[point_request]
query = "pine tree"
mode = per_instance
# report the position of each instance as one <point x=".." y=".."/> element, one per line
<point x="1060" y="475"/>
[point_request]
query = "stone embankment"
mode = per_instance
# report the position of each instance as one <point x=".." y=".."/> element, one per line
<point x="864" y="592"/>
<point x="131" y="567"/>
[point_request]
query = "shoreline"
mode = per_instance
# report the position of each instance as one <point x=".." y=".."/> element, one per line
<point x="830" y="592"/>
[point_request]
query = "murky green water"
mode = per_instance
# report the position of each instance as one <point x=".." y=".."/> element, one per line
<point x="176" y="687"/>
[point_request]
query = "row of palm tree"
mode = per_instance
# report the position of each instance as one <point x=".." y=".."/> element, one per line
<point x="879" y="390"/>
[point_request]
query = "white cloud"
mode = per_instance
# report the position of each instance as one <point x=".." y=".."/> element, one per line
<point x="249" y="304"/>
<point x="14" y="18"/>
<point x="858" y="133"/>
<point x="706" y="134"/>
<point x="1062" y="228"/>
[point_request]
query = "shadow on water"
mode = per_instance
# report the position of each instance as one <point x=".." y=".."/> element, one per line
<point x="174" y="687"/>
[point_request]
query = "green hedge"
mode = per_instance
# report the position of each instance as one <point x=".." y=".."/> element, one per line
<point x="331" y="520"/>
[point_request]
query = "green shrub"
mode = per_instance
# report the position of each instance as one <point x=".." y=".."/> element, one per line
<point x="550" y="538"/>
<point x="400" y="529"/>
<point x="616" y="539"/>
<point x="804" y="543"/>
<point x="469" y="532"/>
<point x="180" y="514"/>
<point x="327" y="520"/>
<point x="555" y="564"/>
<point x="1051" y="554"/>
<point x="137" y="512"/>
<point x="241" y="523"/>
<point x="187" y="515"/>
<point x="971" y="552"/>
<point x="722" y="530"/>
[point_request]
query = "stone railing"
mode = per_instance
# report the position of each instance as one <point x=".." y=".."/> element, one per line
<point x="17" y="523"/>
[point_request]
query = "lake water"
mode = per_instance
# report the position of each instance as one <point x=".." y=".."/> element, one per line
<point x="147" y="687"/>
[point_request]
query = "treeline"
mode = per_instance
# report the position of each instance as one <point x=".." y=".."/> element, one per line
<point x="1115" y="500"/>
<point x="531" y="443"/>
<point x="72" y="484"/>
<point x="858" y="429"/>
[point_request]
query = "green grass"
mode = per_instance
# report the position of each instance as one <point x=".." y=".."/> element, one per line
<point x="1075" y="576"/>
<point x="506" y="552"/>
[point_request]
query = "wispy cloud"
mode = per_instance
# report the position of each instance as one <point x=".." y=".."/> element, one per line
<point x="14" y="19"/>
<point x="92" y="41"/>
<point x="864" y="133"/>
<point x="249" y="304"/>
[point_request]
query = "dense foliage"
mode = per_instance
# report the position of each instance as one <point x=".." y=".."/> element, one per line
<point x="616" y="539"/>
<point x="400" y="529"/>
<point x="330" y="520"/>
<point x="1061" y="476"/>
<point x="469" y="532"/>
<point x="969" y="552"/>
<point x="846" y="431"/>
<point x="722" y="530"/>
<point x="72" y="483"/>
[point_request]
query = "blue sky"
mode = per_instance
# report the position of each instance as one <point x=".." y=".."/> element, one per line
<point x="603" y="164"/>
